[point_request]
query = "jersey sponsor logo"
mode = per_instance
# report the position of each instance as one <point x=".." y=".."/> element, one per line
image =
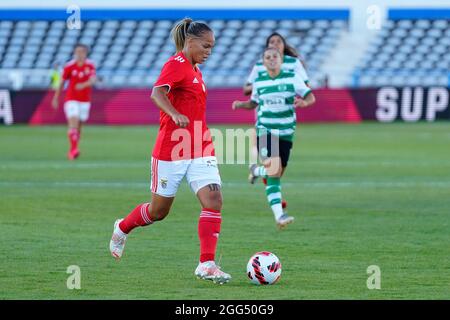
<point x="179" y="59"/>
<point x="272" y="101"/>
<point x="195" y="80"/>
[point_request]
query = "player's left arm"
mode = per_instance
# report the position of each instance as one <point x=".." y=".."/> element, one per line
<point x="306" y="97"/>
<point x="300" y="69"/>
<point x="305" y="101"/>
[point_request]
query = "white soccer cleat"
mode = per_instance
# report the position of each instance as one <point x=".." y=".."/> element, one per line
<point x="284" y="220"/>
<point x="210" y="271"/>
<point x="117" y="243"/>
<point x="251" y="177"/>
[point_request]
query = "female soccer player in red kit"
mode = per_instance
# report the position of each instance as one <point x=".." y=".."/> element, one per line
<point x="80" y="72"/>
<point x="180" y="94"/>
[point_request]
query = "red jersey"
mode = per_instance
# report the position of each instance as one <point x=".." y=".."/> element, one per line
<point x="187" y="93"/>
<point x="77" y="74"/>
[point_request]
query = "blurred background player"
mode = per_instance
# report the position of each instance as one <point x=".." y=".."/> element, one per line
<point x="180" y="93"/>
<point x="291" y="63"/>
<point x="80" y="72"/>
<point x="274" y="93"/>
<point x="55" y="77"/>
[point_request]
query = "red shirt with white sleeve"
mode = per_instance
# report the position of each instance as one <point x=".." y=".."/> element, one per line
<point x="76" y="74"/>
<point x="187" y="93"/>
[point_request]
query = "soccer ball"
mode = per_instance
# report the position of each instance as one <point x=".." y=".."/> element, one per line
<point x="264" y="268"/>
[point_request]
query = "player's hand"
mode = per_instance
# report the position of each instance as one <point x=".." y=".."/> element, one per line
<point x="299" y="103"/>
<point x="235" y="105"/>
<point x="180" y="120"/>
<point x="55" y="102"/>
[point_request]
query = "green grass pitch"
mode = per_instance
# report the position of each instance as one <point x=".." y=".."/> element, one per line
<point x="368" y="194"/>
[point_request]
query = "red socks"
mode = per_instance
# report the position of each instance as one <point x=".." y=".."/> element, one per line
<point x="208" y="228"/>
<point x="140" y="216"/>
<point x="74" y="137"/>
<point x="208" y="233"/>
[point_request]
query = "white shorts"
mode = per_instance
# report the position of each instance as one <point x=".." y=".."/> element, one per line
<point x="166" y="176"/>
<point x="77" y="109"/>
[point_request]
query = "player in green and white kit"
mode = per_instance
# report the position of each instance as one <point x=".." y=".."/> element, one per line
<point x="275" y="94"/>
<point x="291" y="61"/>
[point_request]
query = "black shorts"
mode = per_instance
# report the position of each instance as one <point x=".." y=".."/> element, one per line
<point x="267" y="147"/>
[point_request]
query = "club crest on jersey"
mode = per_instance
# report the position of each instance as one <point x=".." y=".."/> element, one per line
<point x="163" y="183"/>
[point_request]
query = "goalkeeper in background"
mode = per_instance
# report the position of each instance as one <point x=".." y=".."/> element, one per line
<point x="55" y="77"/>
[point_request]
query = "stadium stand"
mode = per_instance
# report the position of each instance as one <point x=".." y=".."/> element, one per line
<point x="130" y="53"/>
<point x="407" y="52"/>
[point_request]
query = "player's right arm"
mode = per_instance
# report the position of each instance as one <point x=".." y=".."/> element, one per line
<point x="55" y="101"/>
<point x="248" y="87"/>
<point x="170" y="78"/>
<point x="65" y="76"/>
<point x="244" y="105"/>
<point x="159" y="97"/>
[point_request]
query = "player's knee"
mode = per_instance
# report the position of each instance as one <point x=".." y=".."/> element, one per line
<point x="215" y="200"/>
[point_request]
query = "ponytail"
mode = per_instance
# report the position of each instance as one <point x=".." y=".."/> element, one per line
<point x="179" y="33"/>
<point x="290" y="51"/>
<point x="187" y="28"/>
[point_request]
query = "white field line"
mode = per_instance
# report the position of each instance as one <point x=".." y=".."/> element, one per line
<point x="22" y="165"/>
<point x="232" y="184"/>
